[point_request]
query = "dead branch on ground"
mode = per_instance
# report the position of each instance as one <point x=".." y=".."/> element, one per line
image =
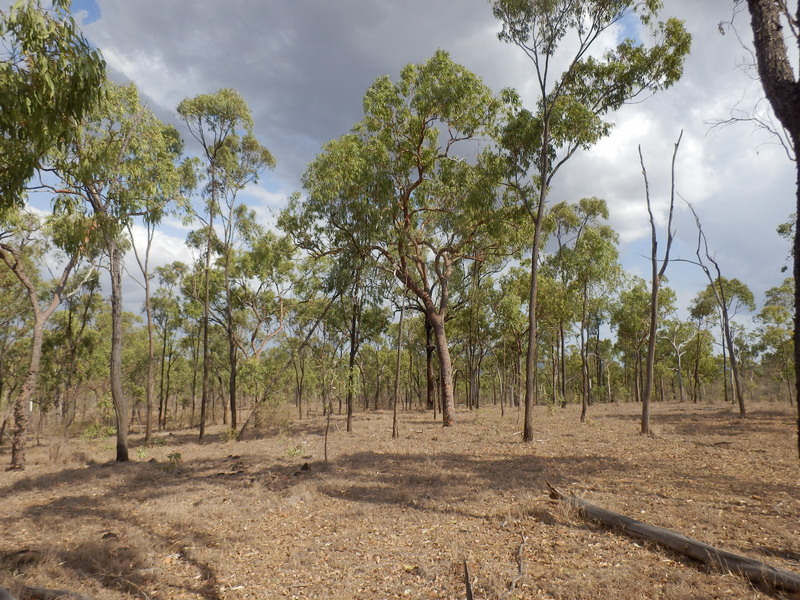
<point x="520" y="570"/>
<point x="36" y="593"/>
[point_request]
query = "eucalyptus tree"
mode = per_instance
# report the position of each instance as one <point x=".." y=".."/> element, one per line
<point x="597" y="276"/>
<point x="700" y="355"/>
<point x="255" y="270"/>
<point x="775" y="331"/>
<point x="223" y="126"/>
<point x="309" y="301"/>
<point x="557" y="312"/>
<point x="509" y="318"/>
<point x="479" y="288"/>
<point x="192" y="284"/>
<point x="571" y="105"/>
<point x="631" y="318"/>
<point x="123" y="164"/>
<point x="724" y="298"/>
<point x="260" y="280"/>
<point x="149" y="220"/>
<point x="585" y="264"/>
<point x="21" y="250"/>
<point x="679" y="336"/>
<point x="565" y="227"/>
<point x="368" y="321"/>
<point x="50" y="79"/>
<point x="168" y="321"/>
<point x="71" y="344"/>
<point x="396" y="188"/>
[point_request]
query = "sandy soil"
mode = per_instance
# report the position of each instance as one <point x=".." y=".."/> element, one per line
<point x="267" y="518"/>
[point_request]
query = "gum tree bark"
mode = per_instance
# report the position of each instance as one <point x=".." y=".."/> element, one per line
<point x="782" y="89"/>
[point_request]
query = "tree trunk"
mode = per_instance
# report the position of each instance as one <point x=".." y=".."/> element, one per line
<point x="531" y="354"/>
<point x="657" y="274"/>
<point x="796" y="335"/>
<point x="562" y="364"/>
<point x="430" y="375"/>
<point x="783" y="92"/>
<point x="206" y="385"/>
<point x="162" y="399"/>
<point x="117" y="394"/>
<point x="233" y="360"/>
<point x="150" y="391"/>
<point x="680" y="377"/>
<point x="445" y="368"/>
<point x="355" y="321"/>
<point x="738" y="390"/>
<point x="22" y="403"/>
<point x="399" y="350"/>
<point x="585" y="381"/>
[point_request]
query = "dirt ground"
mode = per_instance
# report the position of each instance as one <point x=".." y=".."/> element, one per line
<point x="266" y="518"/>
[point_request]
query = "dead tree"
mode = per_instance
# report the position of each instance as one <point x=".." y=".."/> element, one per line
<point x="655" y="285"/>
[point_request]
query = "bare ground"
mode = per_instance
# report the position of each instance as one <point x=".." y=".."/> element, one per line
<point x="396" y="518"/>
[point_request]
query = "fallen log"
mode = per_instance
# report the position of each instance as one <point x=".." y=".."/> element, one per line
<point x="36" y="593"/>
<point x="754" y="570"/>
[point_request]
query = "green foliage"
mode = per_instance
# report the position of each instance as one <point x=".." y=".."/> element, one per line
<point x="395" y="182"/>
<point x="734" y="294"/>
<point x="175" y="461"/>
<point x="776" y="329"/>
<point x="50" y="78"/>
<point x="295" y="450"/>
<point x="97" y="431"/>
<point x="123" y="164"/>
<point x="571" y="106"/>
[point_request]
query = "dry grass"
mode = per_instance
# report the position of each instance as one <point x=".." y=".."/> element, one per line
<point x="396" y="518"/>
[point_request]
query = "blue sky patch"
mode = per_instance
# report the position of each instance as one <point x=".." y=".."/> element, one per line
<point x="90" y="7"/>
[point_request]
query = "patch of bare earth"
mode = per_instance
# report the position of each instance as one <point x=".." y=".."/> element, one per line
<point x="396" y="518"/>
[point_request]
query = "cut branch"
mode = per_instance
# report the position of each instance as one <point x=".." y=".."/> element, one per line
<point x="36" y="593"/>
<point x="754" y="570"/>
<point x="520" y="570"/>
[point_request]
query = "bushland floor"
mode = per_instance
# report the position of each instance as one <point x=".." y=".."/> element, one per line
<point x="266" y="518"/>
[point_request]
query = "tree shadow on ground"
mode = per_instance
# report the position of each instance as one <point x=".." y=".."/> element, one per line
<point x="114" y="557"/>
<point x="445" y="482"/>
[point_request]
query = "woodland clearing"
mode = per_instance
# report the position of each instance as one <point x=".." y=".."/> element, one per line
<point x="396" y="518"/>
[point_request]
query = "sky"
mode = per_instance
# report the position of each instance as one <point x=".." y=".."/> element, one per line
<point x="303" y="67"/>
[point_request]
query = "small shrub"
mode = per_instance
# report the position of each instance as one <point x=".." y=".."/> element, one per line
<point x="175" y="459"/>
<point x="97" y="431"/>
<point x="295" y="450"/>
